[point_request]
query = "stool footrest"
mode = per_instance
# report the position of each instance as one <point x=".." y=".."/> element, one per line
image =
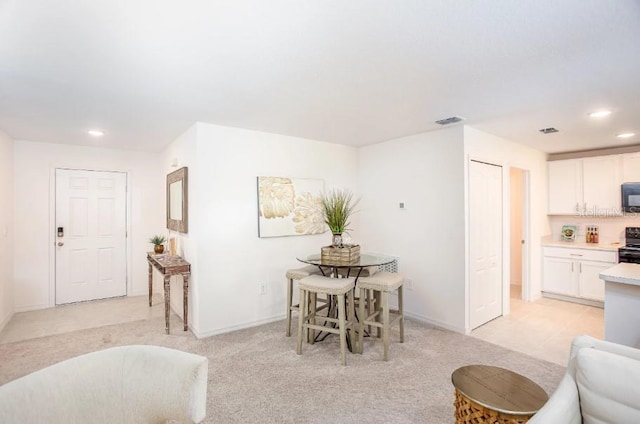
<point x="381" y="325"/>
<point x="296" y="307"/>
<point x="327" y="329"/>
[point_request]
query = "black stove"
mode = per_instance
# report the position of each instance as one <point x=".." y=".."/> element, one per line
<point x="630" y="253"/>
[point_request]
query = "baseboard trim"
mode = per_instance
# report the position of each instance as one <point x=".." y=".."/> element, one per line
<point x="587" y="302"/>
<point x="31" y="308"/>
<point x="6" y="320"/>
<point x="434" y="322"/>
<point x="242" y="326"/>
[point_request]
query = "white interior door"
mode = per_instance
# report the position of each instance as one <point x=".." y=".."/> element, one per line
<point x="485" y="233"/>
<point x="91" y="246"/>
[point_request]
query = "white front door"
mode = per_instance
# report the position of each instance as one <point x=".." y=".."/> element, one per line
<point x="90" y="235"/>
<point x="485" y="220"/>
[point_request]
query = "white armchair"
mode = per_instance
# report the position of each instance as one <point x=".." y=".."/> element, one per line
<point x="601" y="385"/>
<point x="128" y="384"/>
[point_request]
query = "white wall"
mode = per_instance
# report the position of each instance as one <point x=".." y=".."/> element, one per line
<point x="34" y="164"/>
<point x="489" y="148"/>
<point x="6" y="228"/>
<point x="183" y="153"/>
<point x="426" y="171"/>
<point x="231" y="259"/>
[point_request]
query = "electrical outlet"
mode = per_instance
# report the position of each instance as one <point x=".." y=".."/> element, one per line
<point x="408" y="283"/>
<point x="262" y="288"/>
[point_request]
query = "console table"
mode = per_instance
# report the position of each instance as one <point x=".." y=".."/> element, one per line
<point x="170" y="265"/>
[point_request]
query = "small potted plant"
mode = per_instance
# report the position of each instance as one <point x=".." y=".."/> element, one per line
<point x="338" y="205"/>
<point x="157" y="241"/>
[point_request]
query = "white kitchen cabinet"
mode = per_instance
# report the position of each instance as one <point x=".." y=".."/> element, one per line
<point x="601" y="179"/>
<point x="559" y="276"/>
<point x="574" y="272"/>
<point x="589" y="186"/>
<point x="590" y="286"/>
<point x="565" y="186"/>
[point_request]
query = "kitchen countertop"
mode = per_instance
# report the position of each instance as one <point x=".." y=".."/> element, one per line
<point x="622" y="273"/>
<point x="550" y="241"/>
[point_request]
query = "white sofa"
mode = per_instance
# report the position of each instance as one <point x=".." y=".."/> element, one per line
<point x="128" y="384"/>
<point x="601" y="385"/>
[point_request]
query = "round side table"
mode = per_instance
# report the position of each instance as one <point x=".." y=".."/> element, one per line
<point x="495" y="395"/>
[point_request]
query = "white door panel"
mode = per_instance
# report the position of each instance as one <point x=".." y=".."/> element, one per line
<point x="485" y="208"/>
<point x="91" y="254"/>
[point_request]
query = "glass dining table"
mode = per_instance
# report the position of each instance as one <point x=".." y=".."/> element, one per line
<point x="353" y="268"/>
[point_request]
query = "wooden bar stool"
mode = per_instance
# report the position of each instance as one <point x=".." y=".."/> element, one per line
<point x="297" y="274"/>
<point x="382" y="284"/>
<point x="367" y="271"/>
<point x="343" y="289"/>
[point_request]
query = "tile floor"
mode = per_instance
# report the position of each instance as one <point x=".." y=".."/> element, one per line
<point x="79" y="316"/>
<point x="543" y="329"/>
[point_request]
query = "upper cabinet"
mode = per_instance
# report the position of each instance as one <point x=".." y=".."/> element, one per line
<point x="601" y="179"/>
<point x="565" y="187"/>
<point x="589" y="186"/>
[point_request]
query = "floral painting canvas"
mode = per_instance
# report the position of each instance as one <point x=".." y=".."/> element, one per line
<point x="289" y="207"/>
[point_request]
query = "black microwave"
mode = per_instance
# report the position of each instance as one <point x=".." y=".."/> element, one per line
<point x="631" y="197"/>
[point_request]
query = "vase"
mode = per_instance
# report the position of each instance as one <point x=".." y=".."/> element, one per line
<point x="337" y="240"/>
<point x="158" y="248"/>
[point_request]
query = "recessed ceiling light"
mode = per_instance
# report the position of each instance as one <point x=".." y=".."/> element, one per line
<point x="600" y="114"/>
<point x="626" y="135"/>
<point x="96" y="133"/>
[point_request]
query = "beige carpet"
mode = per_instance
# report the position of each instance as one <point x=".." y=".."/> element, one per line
<point x="256" y="377"/>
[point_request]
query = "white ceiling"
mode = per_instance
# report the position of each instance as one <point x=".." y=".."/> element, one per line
<point x="353" y="72"/>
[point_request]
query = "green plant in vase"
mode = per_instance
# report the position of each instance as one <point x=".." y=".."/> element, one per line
<point x="157" y="241"/>
<point x="338" y="205"/>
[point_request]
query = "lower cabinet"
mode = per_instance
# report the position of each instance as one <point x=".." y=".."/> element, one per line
<point x="559" y="276"/>
<point x="575" y="272"/>
<point x="590" y="286"/>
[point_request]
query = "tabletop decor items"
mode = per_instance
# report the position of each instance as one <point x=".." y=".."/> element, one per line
<point x="157" y="241"/>
<point x="338" y="205"/>
<point x="569" y="232"/>
<point x="340" y="254"/>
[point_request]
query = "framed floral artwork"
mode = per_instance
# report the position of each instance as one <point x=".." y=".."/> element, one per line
<point x="290" y="206"/>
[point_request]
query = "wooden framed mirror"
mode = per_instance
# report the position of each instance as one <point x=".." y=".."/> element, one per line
<point x="177" y="200"/>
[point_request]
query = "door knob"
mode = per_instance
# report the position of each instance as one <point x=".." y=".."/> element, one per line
<point x="60" y="243"/>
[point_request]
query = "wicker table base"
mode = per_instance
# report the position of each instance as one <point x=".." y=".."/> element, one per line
<point x="469" y="412"/>
<point x="493" y="395"/>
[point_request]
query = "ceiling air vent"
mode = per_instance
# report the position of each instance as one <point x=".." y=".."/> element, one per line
<point x="548" y="130"/>
<point x="451" y="120"/>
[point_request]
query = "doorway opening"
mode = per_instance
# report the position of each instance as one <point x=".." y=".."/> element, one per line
<point x="519" y="228"/>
